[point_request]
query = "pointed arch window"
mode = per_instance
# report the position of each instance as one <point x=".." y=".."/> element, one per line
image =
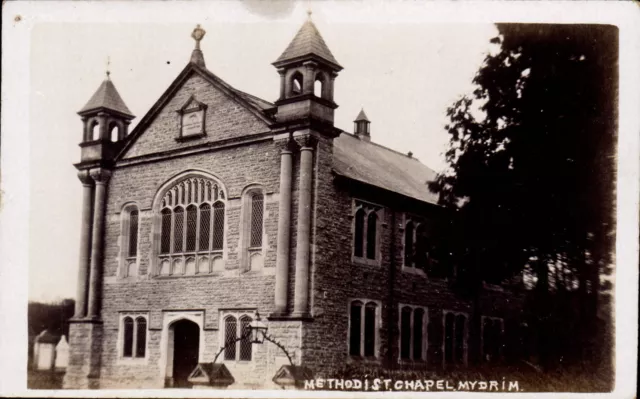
<point x="252" y="232"/>
<point x="366" y="232"/>
<point x="192" y="228"/>
<point x="128" y="257"/>
<point x="257" y="212"/>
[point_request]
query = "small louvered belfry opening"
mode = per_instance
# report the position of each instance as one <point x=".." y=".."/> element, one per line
<point x="257" y="212"/>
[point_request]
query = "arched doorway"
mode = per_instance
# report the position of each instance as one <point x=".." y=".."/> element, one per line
<point x="186" y="345"/>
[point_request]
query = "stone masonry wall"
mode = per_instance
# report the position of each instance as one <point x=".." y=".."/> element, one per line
<point x="336" y="280"/>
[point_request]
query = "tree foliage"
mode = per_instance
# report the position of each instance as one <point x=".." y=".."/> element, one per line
<point x="532" y="152"/>
<point x="532" y="164"/>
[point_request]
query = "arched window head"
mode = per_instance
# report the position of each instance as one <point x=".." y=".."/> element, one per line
<point x="257" y="213"/>
<point x="319" y="86"/>
<point x="408" y="244"/>
<point x="358" y="247"/>
<point x="127" y="349"/>
<point x="178" y="229"/>
<point x="218" y="225"/>
<point x="114" y="132"/>
<point x="133" y="233"/>
<point x="165" y="239"/>
<point x="296" y="84"/>
<point x="192" y="225"/>
<point x="95" y="130"/>
<point x="372" y="225"/>
<point x="141" y="336"/>
<point x="366" y="231"/>
<point x="230" y="336"/>
<point x="245" y="343"/>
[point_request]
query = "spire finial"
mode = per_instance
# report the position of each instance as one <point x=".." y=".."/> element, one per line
<point x="309" y="12"/>
<point x="108" y="66"/>
<point x="197" y="35"/>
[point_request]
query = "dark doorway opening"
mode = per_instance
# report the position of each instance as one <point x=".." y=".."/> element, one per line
<point x="185" y="351"/>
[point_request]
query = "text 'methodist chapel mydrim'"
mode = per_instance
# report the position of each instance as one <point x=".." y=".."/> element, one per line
<point x="220" y="204"/>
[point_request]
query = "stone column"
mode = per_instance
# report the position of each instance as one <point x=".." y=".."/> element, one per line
<point x="104" y="129"/>
<point x="282" y="73"/>
<point x="85" y="243"/>
<point x="301" y="301"/>
<point x="101" y="177"/>
<point x="309" y="77"/>
<point x="284" y="231"/>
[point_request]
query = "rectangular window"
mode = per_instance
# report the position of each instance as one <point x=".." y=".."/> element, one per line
<point x="455" y="338"/>
<point x="370" y="329"/>
<point x="363" y="320"/>
<point x="356" y="324"/>
<point x="412" y="332"/>
<point x="366" y="220"/>
<point x="237" y="337"/>
<point x="133" y="338"/>
<point x="492" y="338"/>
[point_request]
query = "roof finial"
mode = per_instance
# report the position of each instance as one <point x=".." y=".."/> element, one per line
<point x="197" y="34"/>
<point x="309" y="12"/>
<point x="108" y="65"/>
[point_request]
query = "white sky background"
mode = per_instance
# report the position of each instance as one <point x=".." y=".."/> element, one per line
<point x="404" y="74"/>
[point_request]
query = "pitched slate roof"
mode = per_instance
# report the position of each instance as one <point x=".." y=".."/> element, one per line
<point x="107" y="97"/>
<point x="382" y="167"/>
<point x="307" y="41"/>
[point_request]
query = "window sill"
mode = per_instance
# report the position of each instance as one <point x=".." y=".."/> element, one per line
<point x="174" y="276"/>
<point x="414" y="270"/>
<point x="132" y="361"/>
<point x="365" y="261"/>
<point x="364" y="360"/>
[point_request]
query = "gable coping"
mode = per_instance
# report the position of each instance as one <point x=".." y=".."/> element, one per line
<point x="218" y="83"/>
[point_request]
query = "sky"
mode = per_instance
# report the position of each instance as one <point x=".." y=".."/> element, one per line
<point x="404" y="75"/>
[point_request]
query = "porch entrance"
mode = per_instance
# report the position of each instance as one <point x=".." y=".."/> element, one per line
<point x="186" y="335"/>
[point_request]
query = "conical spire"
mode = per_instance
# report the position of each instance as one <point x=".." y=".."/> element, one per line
<point x="307" y="41"/>
<point x="107" y="97"/>
<point x="362" y="116"/>
<point x="196" y="55"/>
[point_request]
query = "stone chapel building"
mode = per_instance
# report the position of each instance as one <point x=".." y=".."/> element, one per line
<point x="220" y="205"/>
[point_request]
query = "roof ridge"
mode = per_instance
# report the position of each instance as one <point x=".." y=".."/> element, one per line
<point x="386" y="148"/>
